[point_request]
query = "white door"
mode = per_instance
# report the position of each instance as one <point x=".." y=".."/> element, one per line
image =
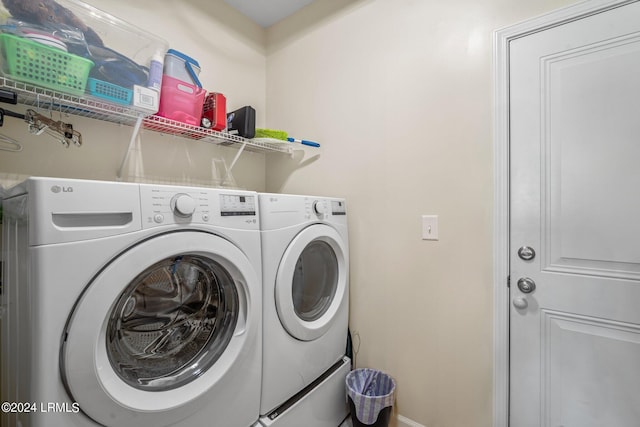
<point x="575" y="206"/>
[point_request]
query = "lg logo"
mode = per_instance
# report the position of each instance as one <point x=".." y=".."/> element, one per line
<point x="57" y="189"/>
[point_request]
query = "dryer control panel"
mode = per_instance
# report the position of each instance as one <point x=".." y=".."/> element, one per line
<point x="162" y="205"/>
<point x="323" y="207"/>
<point x="285" y="210"/>
<point x="338" y="207"/>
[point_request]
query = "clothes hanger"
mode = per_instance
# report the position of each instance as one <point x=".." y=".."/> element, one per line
<point x="6" y="143"/>
<point x="39" y="124"/>
<point x="9" y="144"/>
<point x="60" y="130"/>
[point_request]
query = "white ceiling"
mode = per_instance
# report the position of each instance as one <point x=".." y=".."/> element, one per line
<point x="267" y="12"/>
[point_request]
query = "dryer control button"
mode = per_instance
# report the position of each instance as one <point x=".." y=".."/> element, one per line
<point x="183" y="205"/>
<point x="158" y="218"/>
<point x="319" y="207"/>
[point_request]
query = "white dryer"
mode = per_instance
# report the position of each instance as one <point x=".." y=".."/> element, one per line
<point x="130" y="305"/>
<point x="305" y="251"/>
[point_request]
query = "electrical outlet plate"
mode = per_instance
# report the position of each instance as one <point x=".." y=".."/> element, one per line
<point x="429" y="227"/>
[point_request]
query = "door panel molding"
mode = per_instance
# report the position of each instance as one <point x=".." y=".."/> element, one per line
<point x="501" y="40"/>
<point x="577" y="252"/>
<point x="568" y="354"/>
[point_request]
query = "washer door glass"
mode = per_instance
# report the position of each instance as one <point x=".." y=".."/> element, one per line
<point x="172" y="322"/>
<point x="315" y="280"/>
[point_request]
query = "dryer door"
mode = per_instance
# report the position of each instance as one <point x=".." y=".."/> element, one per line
<point x="159" y="329"/>
<point x="311" y="284"/>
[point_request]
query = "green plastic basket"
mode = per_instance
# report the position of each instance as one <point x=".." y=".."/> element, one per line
<point x="44" y="66"/>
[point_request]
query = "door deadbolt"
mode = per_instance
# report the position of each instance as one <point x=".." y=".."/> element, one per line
<point x="526" y="285"/>
<point x="526" y="253"/>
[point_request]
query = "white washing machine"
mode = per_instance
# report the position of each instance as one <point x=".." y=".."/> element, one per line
<point x="130" y="305"/>
<point x="305" y="249"/>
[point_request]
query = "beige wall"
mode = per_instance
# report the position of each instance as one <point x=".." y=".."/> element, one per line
<point x="231" y="52"/>
<point x="399" y="93"/>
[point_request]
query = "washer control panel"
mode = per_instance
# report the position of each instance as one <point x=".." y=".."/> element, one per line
<point x="164" y="205"/>
<point x="237" y="205"/>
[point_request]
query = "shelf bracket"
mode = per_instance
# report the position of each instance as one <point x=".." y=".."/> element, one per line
<point x="134" y="135"/>
<point x="235" y="159"/>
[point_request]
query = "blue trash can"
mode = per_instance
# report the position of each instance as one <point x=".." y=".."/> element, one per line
<point x="370" y="394"/>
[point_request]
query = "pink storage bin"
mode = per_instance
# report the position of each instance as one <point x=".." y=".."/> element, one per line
<point x="181" y="101"/>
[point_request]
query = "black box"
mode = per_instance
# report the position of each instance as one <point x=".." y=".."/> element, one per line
<point x="242" y="122"/>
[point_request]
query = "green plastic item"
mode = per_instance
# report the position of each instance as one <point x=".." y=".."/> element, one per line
<point x="271" y="133"/>
<point x="44" y="66"/>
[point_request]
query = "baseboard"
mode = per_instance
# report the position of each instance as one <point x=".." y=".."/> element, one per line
<point x="406" y="422"/>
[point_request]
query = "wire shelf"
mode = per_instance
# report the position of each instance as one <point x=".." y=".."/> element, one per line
<point x="172" y="127"/>
<point x="41" y="98"/>
<point x="47" y="99"/>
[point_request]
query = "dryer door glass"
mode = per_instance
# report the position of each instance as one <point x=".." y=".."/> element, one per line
<point x="172" y="322"/>
<point x="315" y="280"/>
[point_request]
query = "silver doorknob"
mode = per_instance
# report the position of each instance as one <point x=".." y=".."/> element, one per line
<point x="526" y="285"/>
<point x="526" y="253"/>
<point x="520" y="303"/>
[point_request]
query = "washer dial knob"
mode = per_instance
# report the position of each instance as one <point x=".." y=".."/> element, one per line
<point x="319" y="208"/>
<point x="183" y="205"/>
